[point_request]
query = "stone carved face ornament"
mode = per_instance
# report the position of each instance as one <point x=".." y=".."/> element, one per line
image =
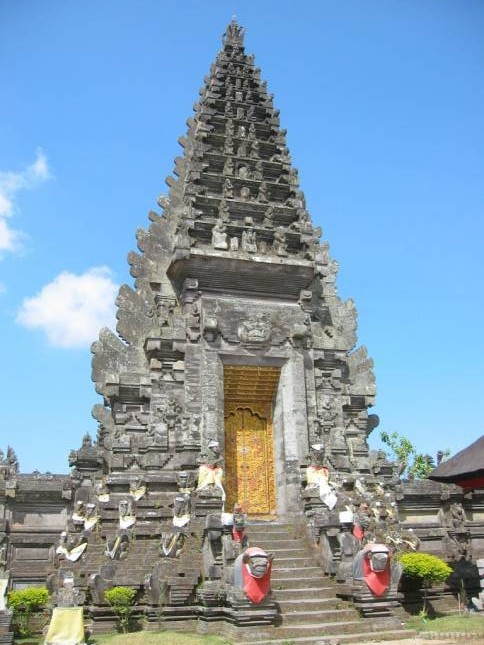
<point x="255" y="330"/>
<point x="257" y="565"/>
<point x="378" y="560"/>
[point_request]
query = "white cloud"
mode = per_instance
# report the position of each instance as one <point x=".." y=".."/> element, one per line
<point x="8" y="237"/>
<point x="11" y="183"/>
<point x="71" y="309"/>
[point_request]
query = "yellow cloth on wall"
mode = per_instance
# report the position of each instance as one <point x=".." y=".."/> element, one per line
<point x="317" y="475"/>
<point x="210" y="476"/>
<point x="127" y="521"/>
<point x="138" y="493"/>
<point x="75" y="553"/>
<point x="66" y="626"/>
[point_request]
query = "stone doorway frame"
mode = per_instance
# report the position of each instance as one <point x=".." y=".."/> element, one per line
<point x="290" y="417"/>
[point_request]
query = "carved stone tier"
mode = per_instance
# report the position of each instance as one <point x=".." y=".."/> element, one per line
<point x="260" y="275"/>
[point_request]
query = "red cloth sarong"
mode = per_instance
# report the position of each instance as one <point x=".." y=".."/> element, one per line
<point x="358" y="532"/>
<point x="377" y="581"/>
<point x="256" y="588"/>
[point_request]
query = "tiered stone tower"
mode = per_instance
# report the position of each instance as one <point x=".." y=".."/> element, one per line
<point x="234" y="325"/>
<point x="234" y="354"/>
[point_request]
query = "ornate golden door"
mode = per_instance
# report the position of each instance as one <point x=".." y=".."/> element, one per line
<point x="249" y="461"/>
<point x="249" y="449"/>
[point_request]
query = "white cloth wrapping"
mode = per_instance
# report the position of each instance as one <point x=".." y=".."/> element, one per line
<point x="3" y="589"/>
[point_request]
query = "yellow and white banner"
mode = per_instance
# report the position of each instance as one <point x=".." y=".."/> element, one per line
<point x="66" y="627"/>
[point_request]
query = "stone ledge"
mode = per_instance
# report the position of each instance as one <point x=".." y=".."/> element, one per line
<point x="455" y="635"/>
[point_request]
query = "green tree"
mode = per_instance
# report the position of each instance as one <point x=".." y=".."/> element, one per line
<point x="121" y="600"/>
<point x="412" y="464"/>
<point x="421" y="467"/>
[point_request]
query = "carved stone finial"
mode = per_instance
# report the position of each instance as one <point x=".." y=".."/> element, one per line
<point x="86" y="440"/>
<point x="234" y="35"/>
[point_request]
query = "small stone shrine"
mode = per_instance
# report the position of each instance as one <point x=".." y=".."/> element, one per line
<point x="233" y="398"/>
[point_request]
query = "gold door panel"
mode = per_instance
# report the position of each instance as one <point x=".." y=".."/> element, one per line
<point x="249" y="448"/>
<point x="249" y="462"/>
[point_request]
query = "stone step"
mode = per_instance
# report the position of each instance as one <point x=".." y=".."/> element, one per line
<point x="283" y="573"/>
<point x="306" y="603"/>
<point x="269" y="541"/>
<point x="367" y="637"/>
<point x="296" y="562"/>
<point x="306" y="616"/>
<point x="5" y="620"/>
<point x="7" y="638"/>
<point x="279" y="544"/>
<point x="319" y="591"/>
<point x="272" y="528"/>
<point x="331" y="629"/>
<point x="287" y="552"/>
<point x="293" y="582"/>
<point x="288" y="533"/>
<point x="274" y="535"/>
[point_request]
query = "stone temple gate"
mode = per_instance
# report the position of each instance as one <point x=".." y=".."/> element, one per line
<point x="234" y="331"/>
<point x="233" y="378"/>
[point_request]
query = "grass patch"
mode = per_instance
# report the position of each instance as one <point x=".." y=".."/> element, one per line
<point x="142" y="638"/>
<point x="464" y="624"/>
<point x="157" y="638"/>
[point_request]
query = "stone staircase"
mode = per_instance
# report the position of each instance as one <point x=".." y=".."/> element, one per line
<point x="6" y="631"/>
<point x="310" y="609"/>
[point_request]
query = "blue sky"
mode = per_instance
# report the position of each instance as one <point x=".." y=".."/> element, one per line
<point x="384" y="106"/>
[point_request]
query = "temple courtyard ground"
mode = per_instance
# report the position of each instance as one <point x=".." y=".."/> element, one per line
<point x="176" y="638"/>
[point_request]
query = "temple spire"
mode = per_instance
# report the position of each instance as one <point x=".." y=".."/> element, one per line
<point x="238" y="189"/>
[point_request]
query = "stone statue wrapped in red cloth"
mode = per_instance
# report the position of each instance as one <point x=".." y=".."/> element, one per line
<point x="252" y="572"/>
<point x="238" y="527"/>
<point x="372" y="565"/>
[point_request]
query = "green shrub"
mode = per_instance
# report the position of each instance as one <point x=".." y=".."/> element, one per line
<point x="24" y="603"/>
<point x="121" y="600"/>
<point x="426" y="567"/>
<point x="28" y="599"/>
